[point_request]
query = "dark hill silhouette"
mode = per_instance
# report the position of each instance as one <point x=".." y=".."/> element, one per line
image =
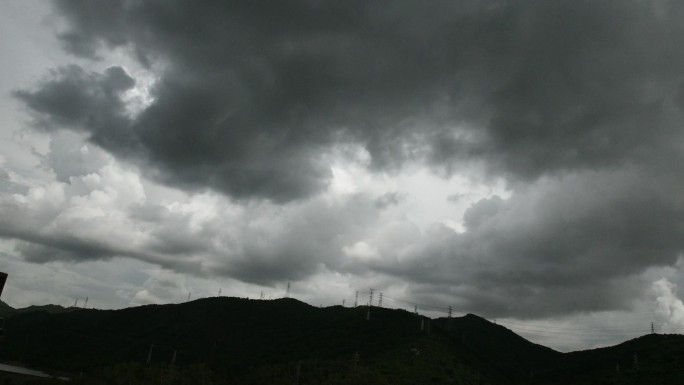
<point x="500" y="347"/>
<point x="650" y="359"/>
<point x="273" y="342"/>
<point x="5" y="309"/>
<point x="248" y="340"/>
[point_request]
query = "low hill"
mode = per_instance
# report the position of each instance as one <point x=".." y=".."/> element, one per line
<point x="285" y="341"/>
<point x="248" y="341"/>
<point x="501" y="348"/>
<point x="6" y="310"/>
<point x="650" y="359"/>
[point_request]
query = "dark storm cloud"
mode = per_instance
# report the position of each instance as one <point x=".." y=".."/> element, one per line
<point x="576" y="104"/>
<point x="74" y="98"/>
<point x="250" y="93"/>
<point x="63" y="250"/>
<point x="38" y="248"/>
<point x="41" y="248"/>
<point x="86" y="102"/>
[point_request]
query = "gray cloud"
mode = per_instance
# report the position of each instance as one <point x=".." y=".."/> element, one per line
<point x="388" y="199"/>
<point x="106" y="214"/>
<point x="7" y="186"/>
<point x="577" y="104"/>
<point x="248" y="98"/>
<point x="70" y="97"/>
<point x="570" y="244"/>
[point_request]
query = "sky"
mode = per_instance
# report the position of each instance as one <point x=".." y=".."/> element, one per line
<point x="520" y="160"/>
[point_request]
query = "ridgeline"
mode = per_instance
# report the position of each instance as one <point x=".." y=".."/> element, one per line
<point x="224" y="340"/>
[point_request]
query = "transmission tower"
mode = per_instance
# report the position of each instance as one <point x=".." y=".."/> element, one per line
<point x="370" y="302"/>
<point x="287" y="291"/>
<point x="450" y="323"/>
<point x="149" y="354"/>
<point x="380" y="301"/>
<point x="356" y="300"/>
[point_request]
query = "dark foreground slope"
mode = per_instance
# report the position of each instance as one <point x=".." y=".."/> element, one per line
<point x="650" y="359"/>
<point x="240" y="341"/>
<point x="248" y="341"/>
<point x="500" y="348"/>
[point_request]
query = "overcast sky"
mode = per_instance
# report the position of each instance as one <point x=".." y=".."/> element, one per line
<point x="520" y="160"/>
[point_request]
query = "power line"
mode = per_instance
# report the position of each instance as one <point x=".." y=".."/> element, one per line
<point x="535" y="328"/>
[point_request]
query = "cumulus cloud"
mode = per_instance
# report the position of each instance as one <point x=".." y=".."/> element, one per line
<point x="284" y="131"/>
<point x="103" y="212"/>
<point x="574" y="243"/>
<point x="161" y="287"/>
<point x="670" y="307"/>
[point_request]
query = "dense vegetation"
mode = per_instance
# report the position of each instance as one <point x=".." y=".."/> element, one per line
<point x="239" y="341"/>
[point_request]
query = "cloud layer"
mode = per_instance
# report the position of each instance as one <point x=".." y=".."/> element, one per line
<point x="250" y="95"/>
<point x="274" y="137"/>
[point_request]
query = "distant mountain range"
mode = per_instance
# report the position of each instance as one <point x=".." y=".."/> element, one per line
<point x="284" y="341"/>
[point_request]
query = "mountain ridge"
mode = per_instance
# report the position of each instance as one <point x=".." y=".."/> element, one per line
<point x="244" y="340"/>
